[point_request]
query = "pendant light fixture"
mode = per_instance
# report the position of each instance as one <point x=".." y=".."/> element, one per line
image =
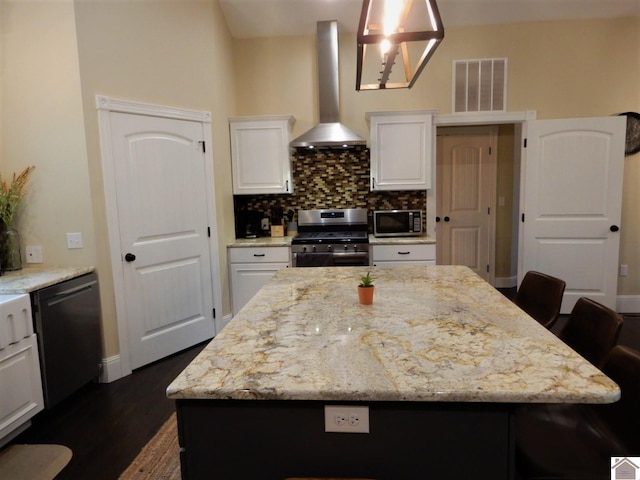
<point x="396" y="39"/>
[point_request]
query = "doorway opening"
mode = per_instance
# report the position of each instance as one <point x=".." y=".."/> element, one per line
<point x="501" y="199"/>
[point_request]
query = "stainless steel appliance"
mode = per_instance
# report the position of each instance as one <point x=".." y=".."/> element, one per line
<point x="67" y="323"/>
<point x="397" y="223"/>
<point x="331" y="237"/>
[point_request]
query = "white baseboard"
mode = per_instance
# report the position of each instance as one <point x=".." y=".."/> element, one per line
<point x="111" y="369"/>
<point x="505" y="282"/>
<point x="628" y="304"/>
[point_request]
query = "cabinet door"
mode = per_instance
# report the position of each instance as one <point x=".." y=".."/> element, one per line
<point x="401" y="151"/>
<point x="20" y="384"/>
<point x="248" y="278"/>
<point x="261" y="160"/>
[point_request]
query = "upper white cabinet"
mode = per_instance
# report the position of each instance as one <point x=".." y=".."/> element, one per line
<point x="401" y="146"/>
<point x="260" y="154"/>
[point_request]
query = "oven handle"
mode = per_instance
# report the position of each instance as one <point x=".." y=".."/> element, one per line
<point x="339" y="256"/>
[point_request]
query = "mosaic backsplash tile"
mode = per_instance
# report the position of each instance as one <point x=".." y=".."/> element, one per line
<point x="332" y="178"/>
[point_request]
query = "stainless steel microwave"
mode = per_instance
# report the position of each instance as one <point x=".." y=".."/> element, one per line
<point x="397" y="223"/>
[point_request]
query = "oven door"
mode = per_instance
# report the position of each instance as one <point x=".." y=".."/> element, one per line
<point x="334" y="259"/>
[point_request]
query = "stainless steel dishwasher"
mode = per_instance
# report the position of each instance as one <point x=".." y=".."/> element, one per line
<point x="67" y="322"/>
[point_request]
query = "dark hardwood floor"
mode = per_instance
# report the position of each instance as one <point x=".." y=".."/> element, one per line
<point x="106" y="425"/>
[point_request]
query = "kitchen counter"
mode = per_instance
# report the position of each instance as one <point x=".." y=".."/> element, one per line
<point x="436" y="368"/>
<point x="433" y="334"/>
<point x="261" y="242"/>
<point x="419" y="240"/>
<point x="286" y="241"/>
<point x="32" y="278"/>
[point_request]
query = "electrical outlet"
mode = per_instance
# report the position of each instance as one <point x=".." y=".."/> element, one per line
<point x="34" y="254"/>
<point x="74" y="240"/>
<point x="346" y="419"/>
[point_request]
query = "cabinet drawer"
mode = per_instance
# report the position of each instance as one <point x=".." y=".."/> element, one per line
<point x="404" y="252"/>
<point x="259" y="254"/>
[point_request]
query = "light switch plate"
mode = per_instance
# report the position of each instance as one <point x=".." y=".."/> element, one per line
<point x="74" y="240"/>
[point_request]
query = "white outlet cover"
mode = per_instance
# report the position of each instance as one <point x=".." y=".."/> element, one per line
<point x="346" y="419"/>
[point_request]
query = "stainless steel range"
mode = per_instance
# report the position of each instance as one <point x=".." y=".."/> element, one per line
<point x="332" y="237"/>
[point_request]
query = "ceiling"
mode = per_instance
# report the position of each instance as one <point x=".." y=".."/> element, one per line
<point x="265" y="18"/>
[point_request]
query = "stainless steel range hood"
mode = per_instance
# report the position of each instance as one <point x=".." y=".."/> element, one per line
<point x="329" y="132"/>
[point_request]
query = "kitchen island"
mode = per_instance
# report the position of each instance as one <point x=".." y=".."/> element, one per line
<point x="440" y="360"/>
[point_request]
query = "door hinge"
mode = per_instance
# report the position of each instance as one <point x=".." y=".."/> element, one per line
<point x="208" y="231"/>
<point x="487" y="268"/>
<point x="522" y="218"/>
<point x="525" y="143"/>
<point x="204" y="148"/>
<point x="488" y="210"/>
<point x="490" y="150"/>
<point x="214" y="313"/>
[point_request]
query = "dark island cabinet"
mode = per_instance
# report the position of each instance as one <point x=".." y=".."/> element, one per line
<point x="275" y="440"/>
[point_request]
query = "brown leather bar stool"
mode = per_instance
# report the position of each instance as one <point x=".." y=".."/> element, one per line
<point x="540" y="295"/>
<point x="592" y="330"/>
<point x="577" y="441"/>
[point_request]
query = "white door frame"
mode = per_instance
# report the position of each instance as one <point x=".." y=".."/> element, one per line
<point x="105" y="106"/>
<point x="467" y="119"/>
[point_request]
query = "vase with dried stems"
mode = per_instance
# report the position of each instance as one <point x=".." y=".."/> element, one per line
<point x="11" y="193"/>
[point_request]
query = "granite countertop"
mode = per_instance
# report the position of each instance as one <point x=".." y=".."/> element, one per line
<point x="422" y="239"/>
<point x="286" y="241"/>
<point x="32" y="278"/>
<point x="434" y="333"/>
<point x="261" y="242"/>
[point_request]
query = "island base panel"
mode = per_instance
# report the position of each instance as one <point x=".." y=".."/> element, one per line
<point x="274" y="440"/>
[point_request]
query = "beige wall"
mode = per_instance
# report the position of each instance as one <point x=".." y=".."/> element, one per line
<point x="56" y="56"/>
<point x="166" y="53"/>
<point x="560" y="69"/>
<point x="43" y="126"/>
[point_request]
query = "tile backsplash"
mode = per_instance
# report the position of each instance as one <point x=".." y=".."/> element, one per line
<point x="332" y="178"/>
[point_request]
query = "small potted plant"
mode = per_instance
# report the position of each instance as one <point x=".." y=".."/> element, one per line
<point x="366" y="289"/>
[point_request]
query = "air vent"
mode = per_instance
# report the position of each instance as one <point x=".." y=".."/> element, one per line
<point x="480" y="85"/>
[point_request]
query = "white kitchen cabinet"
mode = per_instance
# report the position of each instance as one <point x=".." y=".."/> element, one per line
<point x="251" y="268"/>
<point x="402" y="150"/>
<point x="260" y="154"/>
<point x="404" y="254"/>
<point x="20" y="381"/>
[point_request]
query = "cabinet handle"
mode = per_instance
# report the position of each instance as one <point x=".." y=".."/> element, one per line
<point x="373" y="183"/>
<point x="404" y="253"/>
<point x="258" y="254"/>
<point x="287" y="185"/>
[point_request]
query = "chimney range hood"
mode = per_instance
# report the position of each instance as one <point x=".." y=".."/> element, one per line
<point x="329" y="132"/>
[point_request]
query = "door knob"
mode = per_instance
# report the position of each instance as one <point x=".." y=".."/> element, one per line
<point x="129" y="257"/>
<point x="614" y="228"/>
<point x="446" y="219"/>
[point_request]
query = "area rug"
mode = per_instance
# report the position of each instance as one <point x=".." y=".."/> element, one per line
<point x="33" y="462"/>
<point x="160" y="458"/>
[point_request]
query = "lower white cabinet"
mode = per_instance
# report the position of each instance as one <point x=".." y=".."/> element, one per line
<point x="404" y="254"/>
<point x="251" y="268"/>
<point x="20" y="383"/>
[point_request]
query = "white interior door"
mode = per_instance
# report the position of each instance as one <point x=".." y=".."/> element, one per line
<point x="572" y="198"/>
<point x="465" y="205"/>
<point x="162" y="209"/>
